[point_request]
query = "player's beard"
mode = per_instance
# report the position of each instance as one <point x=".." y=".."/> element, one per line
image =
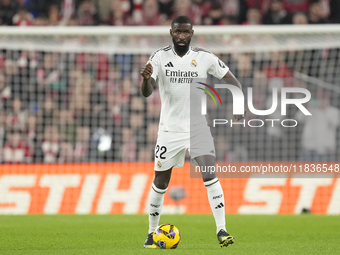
<point x="181" y="50"/>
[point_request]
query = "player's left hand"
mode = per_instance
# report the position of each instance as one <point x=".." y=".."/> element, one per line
<point x="240" y="117"/>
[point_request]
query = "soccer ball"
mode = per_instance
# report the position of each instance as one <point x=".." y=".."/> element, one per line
<point x="166" y="236"/>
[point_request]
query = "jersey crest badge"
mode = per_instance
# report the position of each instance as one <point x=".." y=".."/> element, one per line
<point x="193" y="63"/>
<point x="159" y="164"/>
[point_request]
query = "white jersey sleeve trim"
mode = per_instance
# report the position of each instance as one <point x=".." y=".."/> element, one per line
<point x="154" y="60"/>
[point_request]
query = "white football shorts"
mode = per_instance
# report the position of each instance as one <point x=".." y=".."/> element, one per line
<point x="171" y="147"/>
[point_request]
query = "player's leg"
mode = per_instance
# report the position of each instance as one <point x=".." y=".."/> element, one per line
<point x="155" y="203"/>
<point x="214" y="189"/>
<point x="202" y="151"/>
<point x="156" y="197"/>
<point x="169" y="153"/>
<point x="216" y="199"/>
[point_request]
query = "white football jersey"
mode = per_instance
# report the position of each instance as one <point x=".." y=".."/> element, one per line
<point x="176" y="77"/>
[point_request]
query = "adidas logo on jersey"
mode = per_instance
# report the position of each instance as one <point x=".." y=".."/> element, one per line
<point x="169" y="65"/>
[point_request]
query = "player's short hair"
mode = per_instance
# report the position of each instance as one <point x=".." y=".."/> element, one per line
<point x="181" y="20"/>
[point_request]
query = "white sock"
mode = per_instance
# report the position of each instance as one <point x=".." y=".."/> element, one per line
<point x="216" y="200"/>
<point x="156" y="199"/>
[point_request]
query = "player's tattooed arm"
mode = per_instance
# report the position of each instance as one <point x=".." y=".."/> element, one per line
<point x="231" y="79"/>
<point x="148" y="82"/>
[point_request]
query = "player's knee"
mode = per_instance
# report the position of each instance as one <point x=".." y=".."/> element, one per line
<point x="208" y="179"/>
<point x="208" y="176"/>
<point x="162" y="179"/>
<point x="161" y="183"/>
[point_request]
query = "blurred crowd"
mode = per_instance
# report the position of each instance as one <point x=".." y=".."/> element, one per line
<point x="84" y="107"/>
<point x="62" y="107"/>
<point x="161" y="12"/>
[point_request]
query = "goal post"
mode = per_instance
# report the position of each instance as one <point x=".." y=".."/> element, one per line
<point x="219" y="39"/>
<point x="76" y="136"/>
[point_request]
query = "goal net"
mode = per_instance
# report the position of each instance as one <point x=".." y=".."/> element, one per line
<point x="77" y="136"/>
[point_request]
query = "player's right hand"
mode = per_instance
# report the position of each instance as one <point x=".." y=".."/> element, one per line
<point x="147" y="71"/>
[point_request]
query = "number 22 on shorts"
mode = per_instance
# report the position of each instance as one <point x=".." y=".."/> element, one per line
<point x="162" y="150"/>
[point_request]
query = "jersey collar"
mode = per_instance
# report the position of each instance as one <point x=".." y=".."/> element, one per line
<point x="173" y="50"/>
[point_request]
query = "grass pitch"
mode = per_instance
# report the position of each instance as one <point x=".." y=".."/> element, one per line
<point x="125" y="234"/>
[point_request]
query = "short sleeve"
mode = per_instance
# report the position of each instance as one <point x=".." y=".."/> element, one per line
<point x="154" y="60"/>
<point x="217" y="68"/>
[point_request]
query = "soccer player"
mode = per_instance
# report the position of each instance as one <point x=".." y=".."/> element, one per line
<point x="175" y="67"/>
